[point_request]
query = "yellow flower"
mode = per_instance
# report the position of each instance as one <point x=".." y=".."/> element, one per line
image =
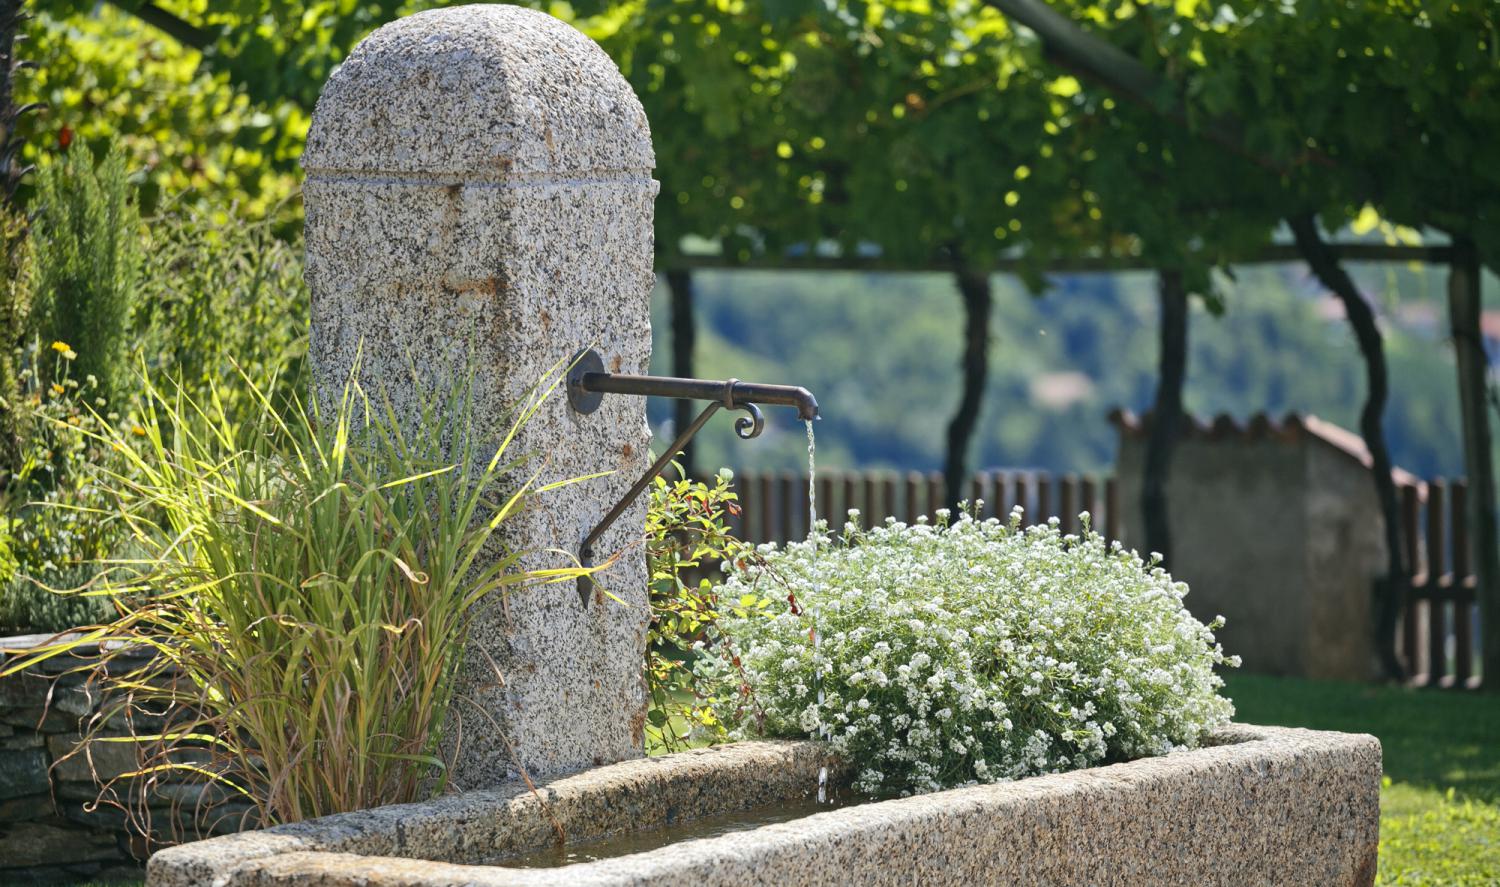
<point x="57" y="389"/>
<point x="138" y="431"/>
<point x="65" y="350"/>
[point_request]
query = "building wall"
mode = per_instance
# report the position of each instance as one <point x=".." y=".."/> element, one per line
<point x="1345" y="555"/>
<point x="1275" y="534"/>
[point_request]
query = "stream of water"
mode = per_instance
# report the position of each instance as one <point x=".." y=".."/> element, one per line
<point x="812" y="537"/>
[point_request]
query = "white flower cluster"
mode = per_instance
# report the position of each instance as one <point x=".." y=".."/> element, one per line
<point x="974" y="651"/>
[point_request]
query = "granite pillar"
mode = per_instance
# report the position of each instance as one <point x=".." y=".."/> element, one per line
<point x="479" y="197"/>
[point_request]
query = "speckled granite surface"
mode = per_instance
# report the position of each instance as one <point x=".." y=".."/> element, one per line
<point x="1255" y="806"/>
<point x="511" y="818"/>
<point x="479" y="199"/>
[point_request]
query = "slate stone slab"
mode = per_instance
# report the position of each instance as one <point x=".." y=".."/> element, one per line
<point x="22" y="772"/>
<point x="38" y="844"/>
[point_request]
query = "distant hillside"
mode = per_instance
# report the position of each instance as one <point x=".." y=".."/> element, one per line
<point x="881" y="353"/>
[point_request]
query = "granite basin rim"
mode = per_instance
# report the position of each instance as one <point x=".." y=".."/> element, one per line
<point x="1262" y="805"/>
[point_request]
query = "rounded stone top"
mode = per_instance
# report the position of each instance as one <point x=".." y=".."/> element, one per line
<point x="482" y="91"/>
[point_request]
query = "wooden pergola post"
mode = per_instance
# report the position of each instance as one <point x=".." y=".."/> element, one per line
<point x="1464" y="284"/>
<point x="1166" y="414"/>
<point x="974" y="288"/>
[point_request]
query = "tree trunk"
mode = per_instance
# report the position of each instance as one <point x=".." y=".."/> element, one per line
<point x="1473" y="372"/>
<point x="684" y="338"/>
<point x="1392" y="592"/>
<point x="11" y="168"/>
<point x="1166" y="414"/>
<point x="974" y="288"/>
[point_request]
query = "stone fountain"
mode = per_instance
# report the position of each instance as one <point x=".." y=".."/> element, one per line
<point x="479" y="199"/>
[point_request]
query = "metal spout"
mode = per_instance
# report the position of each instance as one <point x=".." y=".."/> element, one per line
<point x="588" y="383"/>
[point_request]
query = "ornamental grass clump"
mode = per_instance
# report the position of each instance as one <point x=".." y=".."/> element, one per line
<point x="934" y="655"/>
<point x="305" y="593"/>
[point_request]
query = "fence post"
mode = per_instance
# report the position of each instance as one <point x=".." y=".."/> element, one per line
<point x="1437" y="579"/>
<point x="1462" y="584"/>
<point x="1067" y="505"/>
<point x="1411" y="520"/>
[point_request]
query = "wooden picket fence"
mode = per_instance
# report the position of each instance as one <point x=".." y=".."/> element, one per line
<point x="774" y="505"/>
<point x="1440" y="621"/>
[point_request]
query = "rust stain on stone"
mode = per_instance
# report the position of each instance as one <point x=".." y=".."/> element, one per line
<point x="1364" y="876"/>
<point x="638" y="727"/>
<point x="627" y="451"/>
<point x="489" y="286"/>
<point x="614" y="365"/>
<point x="545" y="319"/>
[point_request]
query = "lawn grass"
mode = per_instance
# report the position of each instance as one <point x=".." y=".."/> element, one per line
<point x="1440" y="802"/>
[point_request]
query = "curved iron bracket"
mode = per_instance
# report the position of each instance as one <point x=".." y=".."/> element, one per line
<point x="588" y="382"/>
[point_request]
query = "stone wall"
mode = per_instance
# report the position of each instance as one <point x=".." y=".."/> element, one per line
<point x="47" y="831"/>
<point x="50" y="827"/>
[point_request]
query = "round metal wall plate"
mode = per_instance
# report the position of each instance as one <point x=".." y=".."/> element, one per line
<point x="585" y="361"/>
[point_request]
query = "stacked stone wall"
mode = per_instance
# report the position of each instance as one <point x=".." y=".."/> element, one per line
<point x="53" y="826"/>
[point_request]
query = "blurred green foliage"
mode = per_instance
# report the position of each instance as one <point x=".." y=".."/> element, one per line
<point x="51" y="503"/>
<point x="86" y="239"/>
<point x="186" y="128"/>
<point x="928" y="131"/>
<point x="881" y="353"/>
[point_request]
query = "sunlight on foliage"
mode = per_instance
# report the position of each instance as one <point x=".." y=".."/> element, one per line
<point x="305" y="586"/>
<point x="934" y="655"/>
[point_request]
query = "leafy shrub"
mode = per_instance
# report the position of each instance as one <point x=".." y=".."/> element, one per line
<point x="215" y="294"/>
<point x="53" y="509"/>
<point x="105" y="75"/>
<point x="86" y="240"/>
<point x="220" y="292"/>
<point x="686" y="533"/>
<point x="306" y="589"/>
<point x="16" y="322"/>
<point x="57" y="602"/>
<point x="936" y="655"/>
<point x="7" y="565"/>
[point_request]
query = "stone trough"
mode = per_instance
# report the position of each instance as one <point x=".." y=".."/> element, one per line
<point x="479" y="197"/>
<point x="1256" y="805"/>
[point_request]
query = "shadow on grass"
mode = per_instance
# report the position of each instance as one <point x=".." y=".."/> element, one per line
<point x="1431" y="738"/>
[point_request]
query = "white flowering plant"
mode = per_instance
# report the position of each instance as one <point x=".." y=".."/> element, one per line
<point x="939" y="654"/>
